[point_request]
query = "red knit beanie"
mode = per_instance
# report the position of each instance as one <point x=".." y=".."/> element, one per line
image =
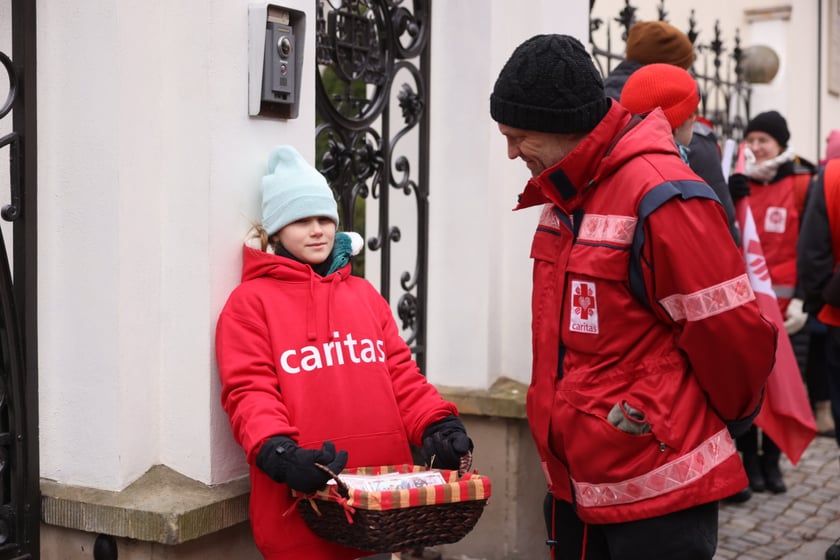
<point x="657" y="41"/>
<point x="661" y="85"/>
<point x="832" y="144"/>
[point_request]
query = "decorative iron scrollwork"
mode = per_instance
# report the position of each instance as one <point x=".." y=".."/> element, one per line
<point x="353" y="45"/>
<point x="10" y="212"/>
<point x="19" y="493"/>
<point x="363" y="47"/>
<point x="724" y="93"/>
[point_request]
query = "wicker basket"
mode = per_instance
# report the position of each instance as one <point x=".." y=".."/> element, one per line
<point x="392" y="521"/>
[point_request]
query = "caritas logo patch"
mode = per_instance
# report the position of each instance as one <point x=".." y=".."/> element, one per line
<point x="584" y="315"/>
<point x="775" y="219"/>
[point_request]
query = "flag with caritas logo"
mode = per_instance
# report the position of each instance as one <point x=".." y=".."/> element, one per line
<point x="786" y="414"/>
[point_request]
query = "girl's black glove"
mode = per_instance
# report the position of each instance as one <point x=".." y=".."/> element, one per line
<point x="282" y="460"/>
<point x="445" y="442"/>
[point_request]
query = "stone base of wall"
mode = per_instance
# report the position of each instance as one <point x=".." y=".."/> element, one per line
<point x="166" y="516"/>
<point x="512" y="525"/>
<point x="70" y="544"/>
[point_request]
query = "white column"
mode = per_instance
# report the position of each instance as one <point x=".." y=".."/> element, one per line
<point x="149" y="174"/>
<point x="479" y="266"/>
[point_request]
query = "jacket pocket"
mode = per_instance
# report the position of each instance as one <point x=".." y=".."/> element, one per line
<point x="600" y="261"/>
<point x="674" y="414"/>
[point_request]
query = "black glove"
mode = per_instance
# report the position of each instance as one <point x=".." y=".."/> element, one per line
<point x="445" y="442"/>
<point x="282" y="460"/>
<point x="738" y="186"/>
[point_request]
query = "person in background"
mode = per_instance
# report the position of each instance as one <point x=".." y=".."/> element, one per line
<point x="832" y="145"/>
<point x="649" y="42"/>
<point x="648" y="343"/>
<point x="818" y="254"/>
<point x="776" y="185"/>
<point x="659" y="42"/>
<point x="817" y="374"/>
<point x="313" y="369"/>
<point x="818" y="264"/>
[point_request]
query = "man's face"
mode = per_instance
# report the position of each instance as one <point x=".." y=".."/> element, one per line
<point x="539" y="150"/>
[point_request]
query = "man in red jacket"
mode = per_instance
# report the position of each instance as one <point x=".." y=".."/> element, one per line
<point x="650" y="351"/>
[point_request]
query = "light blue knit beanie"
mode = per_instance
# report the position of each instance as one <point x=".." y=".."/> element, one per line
<point x="293" y="190"/>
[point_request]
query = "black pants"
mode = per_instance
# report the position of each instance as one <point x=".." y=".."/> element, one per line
<point x="816" y="372"/>
<point x="832" y="361"/>
<point x="690" y="534"/>
<point x="748" y="444"/>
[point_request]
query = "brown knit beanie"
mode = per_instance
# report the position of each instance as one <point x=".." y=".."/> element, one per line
<point x="658" y="41"/>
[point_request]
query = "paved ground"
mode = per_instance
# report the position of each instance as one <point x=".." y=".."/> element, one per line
<point x="797" y="525"/>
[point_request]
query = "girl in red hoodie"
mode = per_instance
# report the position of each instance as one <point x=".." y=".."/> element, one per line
<point x="313" y="368"/>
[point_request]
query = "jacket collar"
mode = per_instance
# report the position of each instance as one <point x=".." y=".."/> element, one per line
<point x="597" y="156"/>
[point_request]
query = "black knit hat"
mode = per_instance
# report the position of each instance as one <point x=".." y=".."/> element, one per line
<point x="773" y="124"/>
<point x="549" y="84"/>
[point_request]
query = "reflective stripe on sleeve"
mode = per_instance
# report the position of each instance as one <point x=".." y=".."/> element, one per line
<point x="709" y="301"/>
<point x="614" y="230"/>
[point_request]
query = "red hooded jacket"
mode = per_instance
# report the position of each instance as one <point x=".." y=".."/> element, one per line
<point x="696" y="357"/>
<point x="315" y="358"/>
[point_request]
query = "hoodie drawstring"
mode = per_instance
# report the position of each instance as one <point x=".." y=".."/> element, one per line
<point x="335" y="278"/>
<point x="311" y="321"/>
<point x="311" y="332"/>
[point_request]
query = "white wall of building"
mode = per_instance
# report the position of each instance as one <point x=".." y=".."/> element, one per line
<point x="149" y="170"/>
<point x="149" y="173"/>
<point x="479" y="264"/>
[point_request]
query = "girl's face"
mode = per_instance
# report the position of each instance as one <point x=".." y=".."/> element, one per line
<point x="310" y="239"/>
<point x="763" y="146"/>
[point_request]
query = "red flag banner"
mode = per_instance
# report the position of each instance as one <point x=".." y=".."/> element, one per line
<point x="786" y="414"/>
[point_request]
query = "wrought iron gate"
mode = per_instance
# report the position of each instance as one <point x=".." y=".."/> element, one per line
<point x="19" y="476"/>
<point x="724" y="93"/>
<point x="363" y="48"/>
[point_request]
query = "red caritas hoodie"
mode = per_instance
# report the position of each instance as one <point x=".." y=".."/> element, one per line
<point x="315" y="358"/>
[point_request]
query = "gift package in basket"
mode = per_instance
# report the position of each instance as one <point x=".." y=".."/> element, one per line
<point x="396" y="507"/>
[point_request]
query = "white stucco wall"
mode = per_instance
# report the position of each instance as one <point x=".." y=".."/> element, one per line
<point x="479" y="265"/>
<point x="148" y="179"/>
<point x="149" y="170"/>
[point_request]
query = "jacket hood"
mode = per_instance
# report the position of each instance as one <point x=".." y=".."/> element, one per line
<point x="257" y="264"/>
<point x="618" y="138"/>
